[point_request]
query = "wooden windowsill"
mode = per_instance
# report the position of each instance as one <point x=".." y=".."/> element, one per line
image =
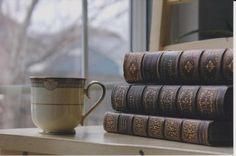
<point x="94" y="140"/>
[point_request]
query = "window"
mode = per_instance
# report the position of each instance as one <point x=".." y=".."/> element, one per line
<point x="40" y="37"/>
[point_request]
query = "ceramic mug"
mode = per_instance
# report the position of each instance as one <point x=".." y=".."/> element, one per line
<point x="57" y="104"/>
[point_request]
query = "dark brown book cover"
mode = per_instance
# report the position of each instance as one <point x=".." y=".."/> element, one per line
<point x="110" y="122"/>
<point x="132" y="67"/>
<point x="150" y="65"/>
<point x="189" y="66"/>
<point x="118" y="97"/>
<point x="215" y="102"/>
<point x="204" y="66"/>
<point x="190" y="131"/>
<point x="172" y="129"/>
<point x="186" y="101"/>
<point x="167" y="100"/>
<point x="140" y="125"/>
<point x="210" y="66"/>
<point x="150" y="99"/>
<point x="205" y="132"/>
<point x="227" y="66"/>
<point x="125" y="123"/>
<point x="156" y="127"/>
<point x="169" y="67"/>
<point x="134" y="98"/>
<point x="202" y="102"/>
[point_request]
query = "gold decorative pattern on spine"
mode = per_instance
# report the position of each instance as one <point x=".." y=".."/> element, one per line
<point x="110" y="122"/>
<point x="132" y="67"/>
<point x="207" y="102"/>
<point x="210" y="66"/>
<point x="185" y="100"/>
<point x="155" y="127"/>
<point x="149" y="97"/>
<point x="190" y="131"/>
<point x="172" y="129"/>
<point x="119" y="96"/>
<point x="189" y="65"/>
<point x="140" y="125"/>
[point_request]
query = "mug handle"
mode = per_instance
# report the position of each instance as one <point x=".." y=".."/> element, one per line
<point x="97" y="102"/>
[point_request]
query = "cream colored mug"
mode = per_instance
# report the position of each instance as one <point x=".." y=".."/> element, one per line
<point x="57" y="104"/>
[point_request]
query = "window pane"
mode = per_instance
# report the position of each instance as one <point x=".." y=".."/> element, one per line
<point x="108" y="40"/>
<point x="36" y="38"/>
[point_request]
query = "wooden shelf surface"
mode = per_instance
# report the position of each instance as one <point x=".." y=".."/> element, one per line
<point x="94" y="140"/>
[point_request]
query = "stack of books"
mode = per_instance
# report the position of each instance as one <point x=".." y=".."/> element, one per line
<point x="182" y="96"/>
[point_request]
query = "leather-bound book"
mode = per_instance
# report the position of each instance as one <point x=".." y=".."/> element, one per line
<point x="132" y="67"/>
<point x="210" y="66"/>
<point x="155" y="127"/>
<point x="204" y="132"/>
<point x="215" y="102"/>
<point x="172" y="129"/>
<point x="167" y="100"/>
<point x="125" y="123"/>
<point x="189" y="66"/>
<point x="150" y="99"/>
<point x="169" y="65"/>
<point x="140" y="123"/>
<point x="150" y="65"/>
<point x="186" y="101"/>
<point x="134" y="98"/>
<point x="207" y="132"/>
<point x="197" y="102"/>
<point x="110" y="122"/>
<point x="227" y="67"/>
<point x="118" y="97"/>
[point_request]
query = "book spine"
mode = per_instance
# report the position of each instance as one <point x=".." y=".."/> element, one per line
<point x="150" y="65"/>
<point x="156" y="127"/>
<point x="172" y="129"/>
<point x="125" y="123"/>
<point x="132" y="67"/>
<point x="118" y="97"/>
<point x="140" y="124"/>
<point x="167" y="100"/>
<point x="169" y="67"/>
<point x="188" y="66"/>
<point x="205" y="132"/>
<point x="204" y="102"/>
<point x="110" y="122"/>
<point x="186" y="101"/>
<point x="134" y="98"/>
<point x="195" y="131"/>
<point x="215" y="102"/>
<point x="150" y="99"/>
<point x="209" y="66"/>
<point x="227" y="67"/>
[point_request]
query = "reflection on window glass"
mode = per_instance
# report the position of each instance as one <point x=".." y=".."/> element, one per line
<point x="107" y="43"/>
<point x="37" y="37"/>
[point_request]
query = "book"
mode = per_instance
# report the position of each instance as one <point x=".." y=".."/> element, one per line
<point x="227" y="67"/>
<point x="205" y="132"/>
<point x="199" y="102"/>
<point x="132" y="64"/>
<point x="195" y="67"/>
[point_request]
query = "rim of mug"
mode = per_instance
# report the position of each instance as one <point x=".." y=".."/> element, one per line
<point x="54" y="77"/>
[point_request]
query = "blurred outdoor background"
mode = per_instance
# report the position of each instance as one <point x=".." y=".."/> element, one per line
<point x="41" y="37"/>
